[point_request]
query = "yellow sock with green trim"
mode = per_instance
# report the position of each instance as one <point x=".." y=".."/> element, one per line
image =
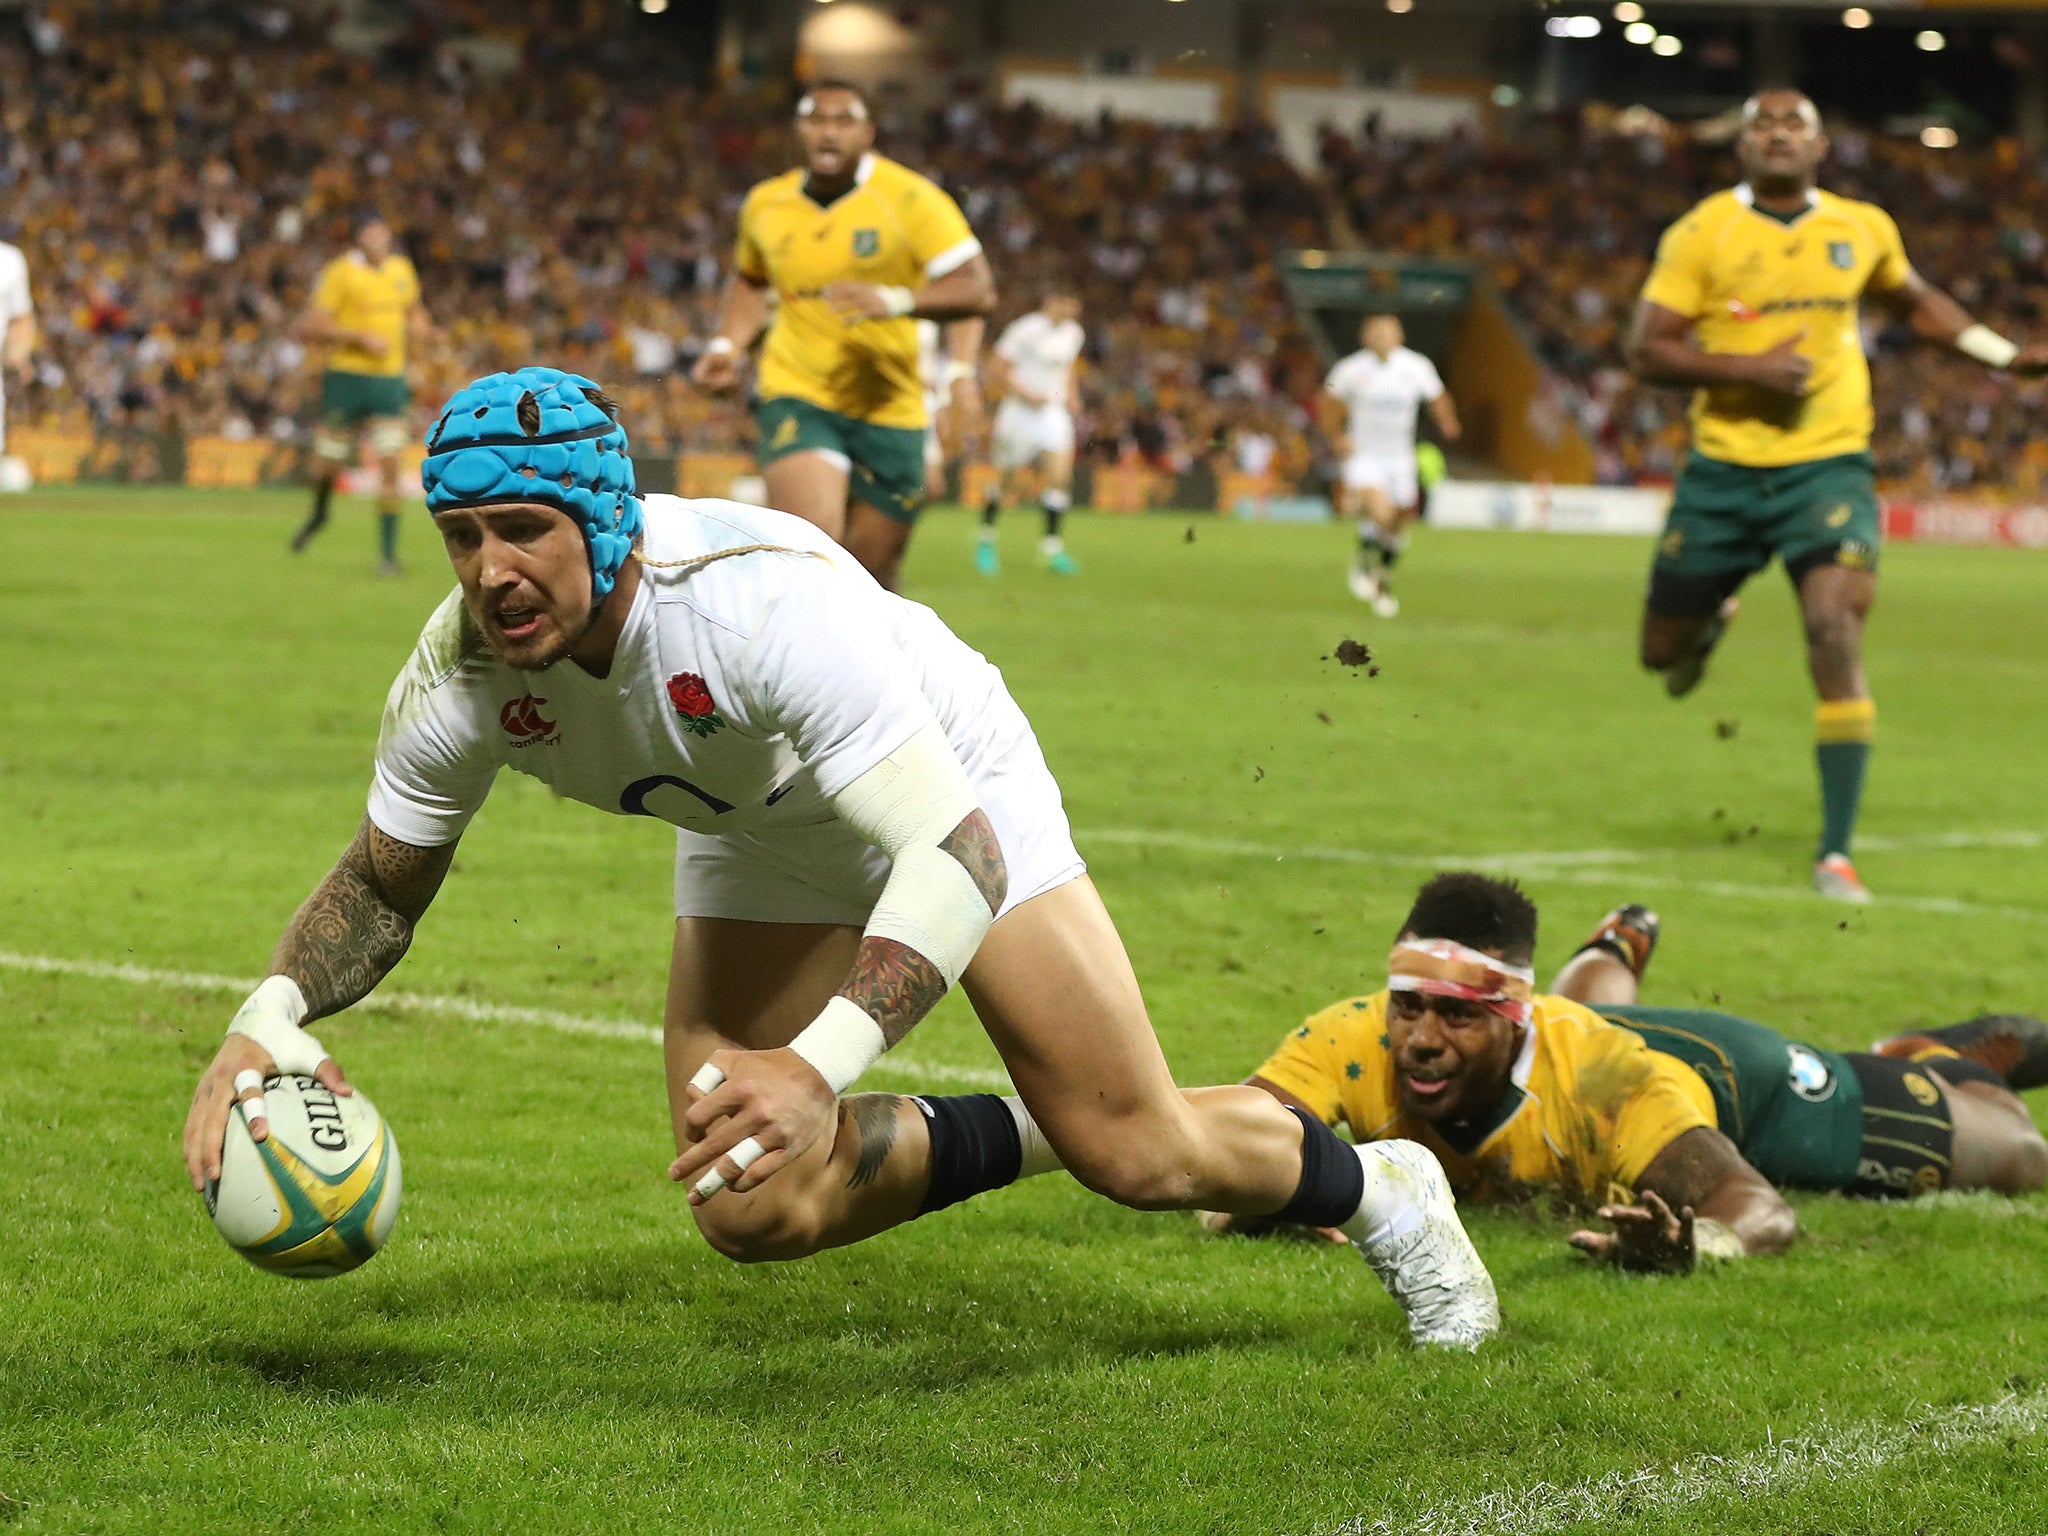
<point x="1842" y="729"/>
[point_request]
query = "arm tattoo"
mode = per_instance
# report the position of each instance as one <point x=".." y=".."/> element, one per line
<point x="874" y="1123"/>
<point x="893" y="985"/>
<point x="359" y="922"/>
<point x="973" y="846"/>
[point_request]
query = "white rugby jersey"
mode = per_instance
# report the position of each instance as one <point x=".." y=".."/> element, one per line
<point x="1041" y="353"/>
<point x="1382" y="398"/>
<point x="744" y="693"/>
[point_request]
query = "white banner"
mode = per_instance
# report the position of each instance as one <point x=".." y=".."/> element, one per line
<point x="1548" y="508"/>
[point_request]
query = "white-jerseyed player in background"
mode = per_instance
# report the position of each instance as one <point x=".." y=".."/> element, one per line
<point x="1375" y="393"/>
<point x="863" y="818"/>
<point x="17" y="347"/>
<point x="1033" y="365"/>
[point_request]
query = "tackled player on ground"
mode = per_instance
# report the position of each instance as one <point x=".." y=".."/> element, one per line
<point x="1673" y="1125"/>
<point x="862" y="818"/>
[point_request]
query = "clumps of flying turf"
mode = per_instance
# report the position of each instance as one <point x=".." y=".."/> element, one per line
<point x="1354" y="654"/>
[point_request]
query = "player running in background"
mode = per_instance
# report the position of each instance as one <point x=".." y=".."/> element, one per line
<point x="17" y="325"/>
<point x="1368" y="408"/>
<point x="365" y="308"/>
<point x="863" y="818"/>
<point x="1753" y="300"/>
<point x="1644" y="1111"/>
<point x="1033" y="366"/>
<point x="835" y="261"/>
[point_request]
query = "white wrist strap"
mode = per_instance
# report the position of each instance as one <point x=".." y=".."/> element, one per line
<point x="1987" y="346"/>
<point x="718" y="346"/>
<point x="841" y="1042"/>
<point x="956" y="369"/>
<point x="898" y="300"/>
<point x="271" y="1018"/>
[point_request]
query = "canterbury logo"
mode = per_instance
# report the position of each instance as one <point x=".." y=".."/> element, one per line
<point x="523" y="720"/>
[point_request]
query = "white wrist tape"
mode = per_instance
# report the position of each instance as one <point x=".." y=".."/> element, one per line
<point x="1987" y="346"/>
<point x="718" y="346"/>
<point x="898" y="300"/>
<point x="271" y="1018"/>
<point x="956" y="369"/>
<point x="932" y="905"/>
<point x="841" y="1042"/>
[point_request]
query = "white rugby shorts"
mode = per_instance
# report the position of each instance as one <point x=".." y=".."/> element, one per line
<point x="1024" y="431"/>
<point x="1392" y="474"/>
<point x="828" y="874"/>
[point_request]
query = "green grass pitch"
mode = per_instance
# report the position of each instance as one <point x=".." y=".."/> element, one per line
<point x="548" y="1345"/>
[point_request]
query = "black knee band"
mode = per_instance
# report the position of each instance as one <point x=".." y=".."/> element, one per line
<point x="1332" y="1178"/>
<point x="975" y="1146"/>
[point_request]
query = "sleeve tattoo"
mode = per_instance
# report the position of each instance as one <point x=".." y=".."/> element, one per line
<point x="974" y="848"/>
<point x="358" y="923"/>
<point x="895" y="985"/>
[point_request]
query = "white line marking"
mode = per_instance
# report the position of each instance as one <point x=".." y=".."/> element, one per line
<point x="1595" y="866"/>
<point x="1833" y="1454"/>
<point x="467" y="1009"/>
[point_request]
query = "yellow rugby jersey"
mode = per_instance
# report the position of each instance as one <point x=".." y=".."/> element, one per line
<point x="375" y="300"/>
<point x="1749" y="281"/>
<point x="893" y="228"/>
<point x="1588" y="1108"/>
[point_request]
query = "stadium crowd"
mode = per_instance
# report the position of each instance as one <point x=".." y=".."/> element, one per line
<point x="178" y="175"/>
<point x="178" y="187"/>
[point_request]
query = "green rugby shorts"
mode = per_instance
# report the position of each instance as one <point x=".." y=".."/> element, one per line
<point x="1728" y="520"/>
<point x="885" y="465"/>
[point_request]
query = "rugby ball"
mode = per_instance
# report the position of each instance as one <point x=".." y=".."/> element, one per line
<point x="319" y="1194"/>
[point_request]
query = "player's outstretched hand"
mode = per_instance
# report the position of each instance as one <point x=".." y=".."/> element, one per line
<point x="1782" y="370"/>
<point x="1646" y="1236"/>
<point x="750" y="1112"/>
<point x="2031" y="361"/>
<point x="236" y="1076"/>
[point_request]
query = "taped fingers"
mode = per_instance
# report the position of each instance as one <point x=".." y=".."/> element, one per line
<point x="741" y="1157"/>
<point x="249" y="1094"/>
<point x="708" y="1078"/>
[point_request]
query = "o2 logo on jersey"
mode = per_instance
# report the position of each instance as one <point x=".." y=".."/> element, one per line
<point x="525" y="724"/>
<point x="1842" y="254"/>
<point x="1810" y="1077"/>
<point x="866" y="241"/>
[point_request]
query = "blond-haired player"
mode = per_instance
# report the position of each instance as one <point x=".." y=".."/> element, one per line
<point x="365" y="308"/>
<point x="1753" y="300"/>
<point x="835" y="261"/>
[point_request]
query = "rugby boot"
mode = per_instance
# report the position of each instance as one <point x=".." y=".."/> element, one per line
<point x="1423" y="1256"/>
<point x="985" y="560"/>
<point x="1627" y="933"/>
<point x="1835" y="878"/>
<point x="2014" y="1045"/>
<point x="1680" y="678"/>
<point x="1060" y="563"/>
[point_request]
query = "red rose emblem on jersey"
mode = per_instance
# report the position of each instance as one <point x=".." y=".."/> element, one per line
<point x="695" y="707"/>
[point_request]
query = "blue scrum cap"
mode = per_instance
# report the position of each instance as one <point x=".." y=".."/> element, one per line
<point x="478" y="455"/>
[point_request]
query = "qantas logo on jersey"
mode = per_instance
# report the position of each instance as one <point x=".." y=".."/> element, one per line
<point x="525" y="724"/>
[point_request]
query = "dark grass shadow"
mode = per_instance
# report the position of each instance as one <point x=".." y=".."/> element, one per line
<point x="325" y="1368"/>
